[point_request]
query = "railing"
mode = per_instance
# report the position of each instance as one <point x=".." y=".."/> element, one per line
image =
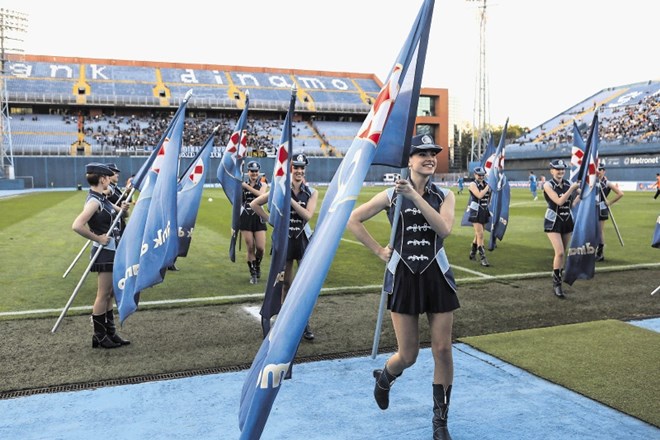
<point x="194" y="103"/>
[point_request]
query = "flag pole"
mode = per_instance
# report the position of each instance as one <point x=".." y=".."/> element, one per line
<point x="89" y="268"/>
<point x="616" y="228"/>
<point x="656" y="290"/>
<point x="384" y="293"/>
<point x="75" y="260"/>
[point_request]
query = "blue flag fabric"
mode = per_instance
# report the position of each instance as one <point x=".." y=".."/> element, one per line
<point x="141" y="174"/>
<point x="577" y="153"/>
<point x="190" y="195"/>
<point x="656" y="235"/>
<point x="147" y="247"/>
<point x="278" y="348"/>
<point x="500" y="192"/>
<point x="279" y="207"/>
<point x="581" y="254"/>
<point x="230" y="174"/>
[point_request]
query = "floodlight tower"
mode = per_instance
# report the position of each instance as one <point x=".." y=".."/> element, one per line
<point x="481" y="111"/>
<point x="12" y="24"/>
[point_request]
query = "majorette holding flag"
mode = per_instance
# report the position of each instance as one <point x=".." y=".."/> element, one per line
<point x="383" y="138"/>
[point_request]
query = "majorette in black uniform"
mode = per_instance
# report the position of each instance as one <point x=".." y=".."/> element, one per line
<point x="559" y="218"/>
<point x="299" y="231"/>
<point x="479" y="212"/>
<point x="423" y="279"/>
<point x="249" y="220"/>
<point x="603" y="211"/>
<point x="100" y="224"/>
<point x="116" y="196"/>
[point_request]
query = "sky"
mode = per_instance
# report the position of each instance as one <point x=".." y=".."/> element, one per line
<point x="542" y="57"/>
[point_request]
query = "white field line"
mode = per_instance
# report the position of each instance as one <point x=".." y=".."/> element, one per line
<point x="371" y="287"/>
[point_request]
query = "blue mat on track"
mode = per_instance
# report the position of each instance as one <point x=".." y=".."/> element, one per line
<point x="328" y="400"/>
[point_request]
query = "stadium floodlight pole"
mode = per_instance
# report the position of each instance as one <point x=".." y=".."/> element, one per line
<point x="89" y="268"/>
<point x="384" y="293"/>
<point x="616" y="228"/>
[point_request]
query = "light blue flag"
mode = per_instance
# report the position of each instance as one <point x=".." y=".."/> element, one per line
<point x="230" y="173"/>
<point x="656" y="235"/>
<point x="137" y="253"/>
<point x="279" y="207"/>
<point x="278" y="348"/>
<point x="581" y="253"/>
<point x="190" y="194"/>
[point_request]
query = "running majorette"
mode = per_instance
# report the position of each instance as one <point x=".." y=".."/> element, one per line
<point x="253" y="227"/>
<point x="421" y="285"/>
<point x="558" y="221"/>
<point x="479" y="213"/>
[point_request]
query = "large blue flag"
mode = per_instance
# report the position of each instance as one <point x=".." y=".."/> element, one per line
<point x="656" y="235"/>
<point x="146" y="247"/>
<point x="581" y="253"/>
<point x="279" y="207"/>
<point x="190" y="194"/>
<point x="230" y="173"/>
<point x="500" y="192"/>
<point x="279" y="347"/>
<point x="577" y="153"/>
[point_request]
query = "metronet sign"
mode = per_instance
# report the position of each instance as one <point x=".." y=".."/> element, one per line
<point x="641" y="160"/>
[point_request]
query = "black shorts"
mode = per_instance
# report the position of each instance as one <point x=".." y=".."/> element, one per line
<point x="104" y="262"/>
<point x="296" y="248"/>
<point x="251" y="222"/>
<point x="427" y="292"/>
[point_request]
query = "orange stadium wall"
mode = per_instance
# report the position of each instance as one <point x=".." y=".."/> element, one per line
<point x="439" y="121"/>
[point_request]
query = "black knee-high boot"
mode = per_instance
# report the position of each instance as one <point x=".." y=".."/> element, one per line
<point x="384" y="381"/>
<point x="440" y="412"/>
<point x="253" y="273"/>
<point x="257" y="267"/>
<point x="473" y="251"/>
<point x="482" y="256"/>
<point x="556" y="283"/>
<point x="100" y="338"/>
<point x="112" y="329"/>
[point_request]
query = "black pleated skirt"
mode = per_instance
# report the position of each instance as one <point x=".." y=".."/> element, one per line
<point x="427" y="292"/>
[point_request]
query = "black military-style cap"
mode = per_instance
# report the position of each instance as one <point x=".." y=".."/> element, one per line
<point x="423" y="142"/>
<point x="253" y="166"/>
<point x="479" y="171"/>
<point x="113" y="167"/>
<point x="300" y="160"/>
<point x="98" y="168"/>
<point x="601" y="167"/>
<point x="558" y="164"/>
